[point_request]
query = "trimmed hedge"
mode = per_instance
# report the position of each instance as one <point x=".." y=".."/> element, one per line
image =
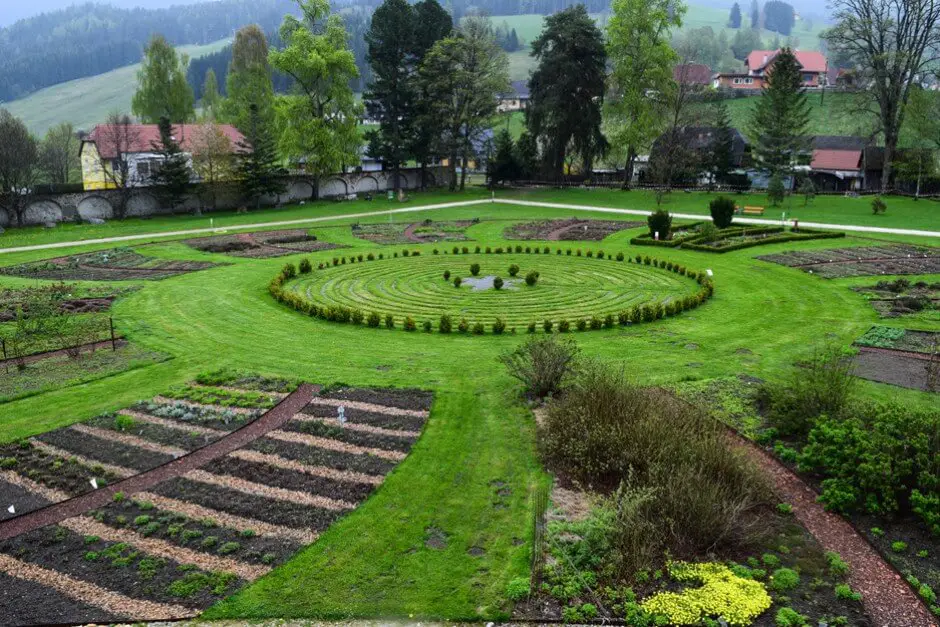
<point x="783" y="236"/>
<point x="647" y="240"/>
<point x="648" y="313"/>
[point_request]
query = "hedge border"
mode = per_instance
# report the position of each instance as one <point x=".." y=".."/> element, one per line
<point x="784" y="236"/>
<point x="647" y="240"/>
<point x="636" y="315"/>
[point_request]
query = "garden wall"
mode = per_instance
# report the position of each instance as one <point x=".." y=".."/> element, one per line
<point x="77" y="206"/>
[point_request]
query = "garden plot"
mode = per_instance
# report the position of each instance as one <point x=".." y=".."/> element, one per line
<point x="901" y="298"/>
<point x="571" y="229"/>
<point x="871" y="260"/>
<point x="70" y="299"/>
<point x="178" y="546"/>
<point x="426" y="232"/>
<point x="738" y="237"/>
<point x="901" y="357"/>
<point x="117" y="264"/>
<point x="261" y="245"/>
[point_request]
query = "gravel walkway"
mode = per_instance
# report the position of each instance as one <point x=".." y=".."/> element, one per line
<point x="886" y="597"/>
<point x="370" y="407"/>
<point x="335" y="445"/>
<point x="77" y="506"/>
<point x="355" y="426"/>
<point x="266" y="491"/>
<point x="317" y="471"/>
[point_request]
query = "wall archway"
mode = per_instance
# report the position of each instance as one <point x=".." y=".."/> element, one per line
<point x="367" y="184"/>
<point x="95" y="207"/>
<point x="334" y="187"/>
<point x="42" y="211"/>
<point x="300" y="190"/>
<point x="143" y="204"/>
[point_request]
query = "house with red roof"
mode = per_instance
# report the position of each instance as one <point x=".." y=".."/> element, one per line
<point x="759" y="64"/>
<point x="109" y="147"/>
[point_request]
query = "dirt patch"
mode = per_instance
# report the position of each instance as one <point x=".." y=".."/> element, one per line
<point x="871" y="260"/>
<point x="569" y="504"/>
<point x="117" y="264"/>
<point x="263" y="244"/>
<point x="435" y="539"/>
<point x="571" y="229"/>
<point x="894" y="368"/>
<point x="426" y="232"/>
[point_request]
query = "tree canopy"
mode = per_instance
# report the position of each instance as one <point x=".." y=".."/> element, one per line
<point x="162" y="90"/>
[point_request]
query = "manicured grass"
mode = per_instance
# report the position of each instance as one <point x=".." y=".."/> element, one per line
<point x="374" y="563"/>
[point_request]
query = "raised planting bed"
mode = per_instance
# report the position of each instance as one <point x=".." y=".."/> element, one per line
<point x="426" y="232"/>
<point x="901" y="357"/>
<point x="263" y="244"/>
<point x="680" y="233"/>
<point x="902" y="298"/>
<point x="736" y="238"/>
<point x="870" y="260"/>
<point x="177" y="545"/>
<point x="572" y="230"/>
<point x="572" y="290"/>
<point x="117" y="264"/>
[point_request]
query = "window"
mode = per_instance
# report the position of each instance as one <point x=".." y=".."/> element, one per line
<point x="808" y="78"/>
<point x="744" y="81"/>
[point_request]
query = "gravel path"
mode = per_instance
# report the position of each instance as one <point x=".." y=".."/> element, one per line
<point x="886" y="597"/>
<point x="79" y="505"/>
<point x="266" y="491"/>
<point x="335" y="445"/>
<point x="355" y="426"/>
<point x="376" y="409"/>
<point x="317" y="471"/>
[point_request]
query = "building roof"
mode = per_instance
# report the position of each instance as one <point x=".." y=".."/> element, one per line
<point x="692" y="74"/>
<point x="143" y="137"/>
<point x="810" y="60"/>
<point x="836" y="160"/>
<point x="702" y="138"/>
<point x="517" y="90"/>
<point x="839" y="142"/>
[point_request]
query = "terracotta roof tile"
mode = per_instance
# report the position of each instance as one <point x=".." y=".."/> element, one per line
<point x="143" y="137"/>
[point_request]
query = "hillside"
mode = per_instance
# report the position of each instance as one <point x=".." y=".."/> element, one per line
<point x="87" y="101"/>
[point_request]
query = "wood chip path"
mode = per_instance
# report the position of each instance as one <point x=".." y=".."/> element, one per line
<point x="886" y="597"/>
<point x="79" y="505"/>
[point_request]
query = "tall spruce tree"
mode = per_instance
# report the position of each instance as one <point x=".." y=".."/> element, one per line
<point x="734" y="19"/>
<point x="432" y="23"/>
<point x="721" y="154"/>
<point x="780" y="118"/>
<point x="259" y="172"/>
<point x="567" y="90"/>
<point x="162" y="90"/>
<point x="391" y="95"/>
<point x="173" y="176"/>
<point x="755" y="15"/>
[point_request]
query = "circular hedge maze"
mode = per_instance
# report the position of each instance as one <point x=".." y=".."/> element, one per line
<point x="419" y="292"/>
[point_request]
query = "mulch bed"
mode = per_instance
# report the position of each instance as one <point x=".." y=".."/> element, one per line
<point x="45" y="606"/>
<point x="119" y="264"/>
<point x="862" y="261"/>
<point x="427" y="232"/>
<point x="359" y="438"/>
<point x="893" y="367"/>
<point x="270" y="475"/>
<point x="313" y="456"/>
<point x="571" y="230"/>
<point x="417" y="400"/>
<point x="888" y="600"/>
<point x="385" y="421"/>
<point x="262" y="244"/>
<point x="23" y="500"/>
<point x="65" y="475"/>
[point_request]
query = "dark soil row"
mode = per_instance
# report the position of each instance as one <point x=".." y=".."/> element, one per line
<point x="278" y="477"/>
<point x="359" y="438"/>
<point x="27" y="603"/>
<point x="322" y="457"/>
<point x="402" y="399"/>
<point x="21" y="499"/>
<point x="113" y="566"/>
<point x="196" y="416"/>
<point x="105" y="451"/>
<point x="199" y="535"/>
<point x="404" y="423"/>
<point x="154" y="433"/>
<point x="61" y="474"/>
<point x="274" y="511"/>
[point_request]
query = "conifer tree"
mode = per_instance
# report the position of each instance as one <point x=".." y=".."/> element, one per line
<point x="781" y="116"/>
<point x="721" y="154"/>
<point x="173" y="176"/>
<point x="259" y="172"/>
<point x="734" y="19"/>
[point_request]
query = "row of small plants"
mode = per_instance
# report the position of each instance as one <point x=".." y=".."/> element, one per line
<point x="638" y="314"/>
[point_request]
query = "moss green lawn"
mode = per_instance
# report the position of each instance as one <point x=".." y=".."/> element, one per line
<point x="374" y="563"/>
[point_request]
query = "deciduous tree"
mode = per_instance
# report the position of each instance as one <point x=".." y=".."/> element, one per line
<point x="19" y="165"/>
<point x="567" y="90"/>
<point x="58" y="154"/>
<point x="248" y="81"/>
<point x="893" y="43"/>
<point x="638" y="34"/>
<point x="213" y="160"/>
<point x="162" y="90"/>
<point x="317" y="122"/>
<point x="211" y="100"/>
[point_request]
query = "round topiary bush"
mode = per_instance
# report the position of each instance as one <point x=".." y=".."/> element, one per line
<point x="474" y="269"/>
<point x="497" y="283"/>
<point x="531" y="278"/>
<point x="457" y="281"/>
<point x="447" y="275"/>
<point x="722" y="210"/>
<point x="513" y="270"/>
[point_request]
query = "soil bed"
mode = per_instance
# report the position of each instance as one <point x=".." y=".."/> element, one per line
<point x="384" y="421"/>
<point x="894" y="368"/>
<point x="262" y="244"/>
<point x="426" y="232"/>
<point x="271" y="476"/>
<point x="571" y="230"/>
<point x="358" y="438"/>
<point x="32" y="604"/>
<point x="313" y="456"/>
<point x="105" y="451"/>
<point x="118" y="264"/>
<point x="895" y="299"/>
<point x="872" y="260"/>
<point x="418" y="400"/>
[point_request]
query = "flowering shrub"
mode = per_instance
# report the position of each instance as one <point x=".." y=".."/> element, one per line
<point x="722" y="594"/>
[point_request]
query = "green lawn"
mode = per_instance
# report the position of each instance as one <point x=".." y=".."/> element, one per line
<point x="87" y="101"/>
<point x="373" y="563"/>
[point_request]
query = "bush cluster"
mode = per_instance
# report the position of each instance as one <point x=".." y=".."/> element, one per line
<point x="541" y="364"/>
<point x="663" y="459"/>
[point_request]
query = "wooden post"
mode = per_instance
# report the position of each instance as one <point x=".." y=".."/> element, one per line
<point x="113" y="341"/>
<point x="6" y="364"/>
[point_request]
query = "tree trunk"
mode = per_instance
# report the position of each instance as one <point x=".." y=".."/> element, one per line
<point x="424" y="175"/>
<point x="628" y="169"/>
<point x="396" y="184"/>
<point x="463" y="170"/>
<point x="452" y="167"/>
<point x="891" y="142"/>
<point x="316" y="188"/>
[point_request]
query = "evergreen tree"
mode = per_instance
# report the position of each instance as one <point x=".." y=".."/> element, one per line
<point x="392" y="93"/>
<point x="781" y="116"/>
<point x="779" y="17"/>
<point x="721" y="154"/>
<point x="432" y="23"/>
<point x="162" y="90"/>
<point x="259" y="172"/>
<point x="755" y="15"/>
<point x="527" y="156"/>
<point x="503" y="166"/>
<point x="734" y="20"/>
<point x="249" y="80"/>
<point x="173" y="176"/>
<point x="567" y="90"/>
<point x="210" y="96"/>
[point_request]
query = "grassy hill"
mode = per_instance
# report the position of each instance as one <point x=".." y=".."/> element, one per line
<point x="88" y="101"/>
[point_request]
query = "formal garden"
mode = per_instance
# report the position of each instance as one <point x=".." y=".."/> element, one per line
<point x="474" y="412"/>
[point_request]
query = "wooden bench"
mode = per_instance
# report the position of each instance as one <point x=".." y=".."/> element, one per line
<point x="753" y="211"/>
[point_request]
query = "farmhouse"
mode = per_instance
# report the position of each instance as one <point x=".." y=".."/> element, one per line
<point x="108" y="146"/>
<point x="759" y="63"/>
<point x="515" y="99"/>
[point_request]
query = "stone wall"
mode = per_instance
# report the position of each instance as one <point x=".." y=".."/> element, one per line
<point x="145" y="202"/>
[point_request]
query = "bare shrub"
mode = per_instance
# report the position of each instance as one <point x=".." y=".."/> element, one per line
<point x="541" y="364"/>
